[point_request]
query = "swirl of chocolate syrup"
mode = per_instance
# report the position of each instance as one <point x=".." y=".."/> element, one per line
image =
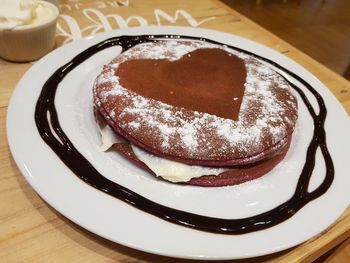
<point x="46" y="117"/>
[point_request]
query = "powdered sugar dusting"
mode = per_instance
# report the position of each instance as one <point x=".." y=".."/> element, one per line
<point x="263" y="116"/>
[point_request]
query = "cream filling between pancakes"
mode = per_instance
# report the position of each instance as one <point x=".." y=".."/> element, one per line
<point x="167" y="169"/>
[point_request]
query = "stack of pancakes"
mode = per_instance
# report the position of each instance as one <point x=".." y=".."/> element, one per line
<point x="195" y="112"/>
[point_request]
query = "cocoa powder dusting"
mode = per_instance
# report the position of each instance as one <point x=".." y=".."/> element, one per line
<point x="206" y="80"/>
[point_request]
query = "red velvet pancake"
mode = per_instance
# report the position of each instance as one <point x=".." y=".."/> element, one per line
<point x="233" y="176"/>
<point x="198" y="103"/>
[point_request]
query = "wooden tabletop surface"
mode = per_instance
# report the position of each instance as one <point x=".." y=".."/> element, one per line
<point x="32" y="231"/>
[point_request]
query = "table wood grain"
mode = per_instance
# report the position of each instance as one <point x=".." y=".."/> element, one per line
<point x="32" y="231"/>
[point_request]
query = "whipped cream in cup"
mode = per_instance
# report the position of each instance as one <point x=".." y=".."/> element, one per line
<point x="27" y="29"/>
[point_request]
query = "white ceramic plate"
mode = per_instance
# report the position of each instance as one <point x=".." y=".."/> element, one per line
<point x="124" y="224"/>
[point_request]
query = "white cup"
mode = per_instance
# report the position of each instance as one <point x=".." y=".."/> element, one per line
<point x="29" y="42"/>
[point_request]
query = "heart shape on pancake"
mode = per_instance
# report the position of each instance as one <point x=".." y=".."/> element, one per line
<point x="207" y="80"/>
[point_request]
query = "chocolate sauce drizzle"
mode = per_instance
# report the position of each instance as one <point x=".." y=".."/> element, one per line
<point x="45" y="114"/>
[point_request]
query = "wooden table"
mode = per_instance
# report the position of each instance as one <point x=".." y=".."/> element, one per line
<point x="32" y="231"/>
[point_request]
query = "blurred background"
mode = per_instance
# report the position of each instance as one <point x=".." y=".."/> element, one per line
<point x="319" y="28"/>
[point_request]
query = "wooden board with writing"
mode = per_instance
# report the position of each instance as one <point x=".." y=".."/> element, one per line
<point x="32" y="231"/>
